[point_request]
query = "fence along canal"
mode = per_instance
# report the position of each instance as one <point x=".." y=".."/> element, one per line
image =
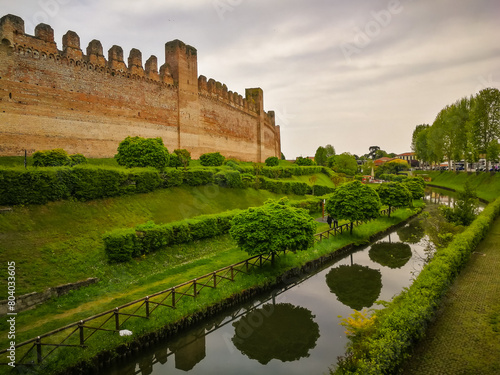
<point x="35" y="351"/>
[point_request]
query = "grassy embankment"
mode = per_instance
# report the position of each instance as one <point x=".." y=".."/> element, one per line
<point x="487" y="185"/>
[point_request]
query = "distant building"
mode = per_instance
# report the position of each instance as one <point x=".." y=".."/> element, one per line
<point x="408" y="156"/>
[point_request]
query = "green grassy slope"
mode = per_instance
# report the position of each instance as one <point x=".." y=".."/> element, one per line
<point x="487" y="185"/>
<point x="61" y="242"/>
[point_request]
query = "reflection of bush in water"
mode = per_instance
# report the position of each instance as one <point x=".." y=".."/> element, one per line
<point x="412" y="233"/>
<point x="355" y="286"/>
<point x="393" y="255"/>
<point x="283" y="331"/>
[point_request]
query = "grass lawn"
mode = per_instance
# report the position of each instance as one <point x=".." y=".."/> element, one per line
<point x="47" y="241"/>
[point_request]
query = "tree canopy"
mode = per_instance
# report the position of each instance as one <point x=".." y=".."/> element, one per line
<point x="354" y="201"/>
<point x="344" y="163"/>
<point x="142" y="152"/>
<point x="394" y="194"/>
<point x="275" y="226"/>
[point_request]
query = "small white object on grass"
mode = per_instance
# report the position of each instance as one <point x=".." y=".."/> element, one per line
<point x="125" y="332"/>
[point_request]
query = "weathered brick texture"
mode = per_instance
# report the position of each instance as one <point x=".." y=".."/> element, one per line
<point x="86" y="104"/>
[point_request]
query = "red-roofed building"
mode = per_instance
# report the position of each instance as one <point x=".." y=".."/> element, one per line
<point x="408" y="156"/>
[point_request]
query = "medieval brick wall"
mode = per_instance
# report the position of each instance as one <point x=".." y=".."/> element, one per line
<point x="87" y="104"/>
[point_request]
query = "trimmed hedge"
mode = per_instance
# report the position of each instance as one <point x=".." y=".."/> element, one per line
<point x="122" y="245"/>
<point x="86" y="182"/>
<point x="406" y="318"/>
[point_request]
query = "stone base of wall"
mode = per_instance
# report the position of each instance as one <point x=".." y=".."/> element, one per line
<point x="30" y="300"/>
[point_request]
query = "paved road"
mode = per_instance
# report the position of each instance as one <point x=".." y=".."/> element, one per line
<point x="465" y="337"/>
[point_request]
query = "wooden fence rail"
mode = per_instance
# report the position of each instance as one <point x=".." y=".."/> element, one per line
<point x="77" y="334"/>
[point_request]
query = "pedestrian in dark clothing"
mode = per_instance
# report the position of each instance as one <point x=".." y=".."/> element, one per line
<point x="329" y="221"/>
<point x="335" y="223"/>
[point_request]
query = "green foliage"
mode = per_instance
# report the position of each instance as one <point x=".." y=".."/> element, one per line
<point x="212" y="159"/>
<point x="275" y="226"/>
<point x="51" y="158"/>
<point x="171" y="177"/>
<point x="34" y="186"/>
<point x="416" y="186"/>
<point x="122" y="245"/>
<point x="230" y="179"/>
<point x="198" y="176"/>
<point x="465" y="209"/>
<point x="354" y="201"/>
<point x="142" y="152"/>
<point x="78" y="159"/>
<point x="184" y="156"/>
<point x="272" y="161"/>
<point x="392" y="167"/>
<point x="405" y="319"/>
<point x="303" y="161"/>
<point x="320" y="157"/>
<point x="285" y="187"/>
<point x="344" y="163"/>
<point x="174" y="161"/>
<point x="394" y="194"/>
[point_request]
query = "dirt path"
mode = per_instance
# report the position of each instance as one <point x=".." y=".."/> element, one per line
<point x="465" y="337"/>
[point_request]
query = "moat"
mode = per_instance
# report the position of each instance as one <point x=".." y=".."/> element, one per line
<point x="295" y="329"/>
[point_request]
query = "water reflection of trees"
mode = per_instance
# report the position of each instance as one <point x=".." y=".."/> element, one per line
<point x="282" y="331"/>
<point x="412" y="233"/>
<point x="393" y="255"/>
<point x="355" y="286"/>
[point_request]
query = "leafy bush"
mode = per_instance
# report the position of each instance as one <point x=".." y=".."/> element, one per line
<point x="272" y="161"/>
<point x="91" y="182"/>
<point x="174" y="161"/>
<point x="230" y="179"/>
<point x="198" y="176"/>
<point x="304" y="161"/>
<point x="78" y="159"/>
<point x="184" y="156"/>
<point x="171" y="177"/>
<point x="121" y="245"/>
<point x="142" y="152"/>
<point x="51" y="158"/>
<point x="154" y="237"/>
<point x="212" y="159"/>
<point x="34" y="186"/>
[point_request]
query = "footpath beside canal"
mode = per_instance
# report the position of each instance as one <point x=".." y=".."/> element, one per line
<point x="465" y="337"/>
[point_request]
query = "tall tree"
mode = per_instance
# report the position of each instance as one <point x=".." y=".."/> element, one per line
<point x="485" y="120"/>
<point x="320" y="156"/>
<point x="330" y="151"/>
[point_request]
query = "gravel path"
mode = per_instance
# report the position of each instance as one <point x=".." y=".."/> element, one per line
<point x="465" y="337"/>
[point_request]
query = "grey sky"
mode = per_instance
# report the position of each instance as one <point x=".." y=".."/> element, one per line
<point x="351" y="74"/>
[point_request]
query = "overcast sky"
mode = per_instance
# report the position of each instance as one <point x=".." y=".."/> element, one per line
<point x="353" y="74"/>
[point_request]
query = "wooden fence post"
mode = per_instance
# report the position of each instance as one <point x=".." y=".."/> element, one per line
<point x="173" y="298"/>
<point x="117" y="319"/>
<point x="82" y="336"/>
<point x="194" y="288"/>
<point x="147" y="306"/>
<point x="215" y="279"/>
<point x="39" y="357"/>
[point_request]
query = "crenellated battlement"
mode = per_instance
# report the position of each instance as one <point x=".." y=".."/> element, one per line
<point x="179" y="73"/>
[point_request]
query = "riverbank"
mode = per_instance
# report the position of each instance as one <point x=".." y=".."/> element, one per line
<point x="465" y="337"/>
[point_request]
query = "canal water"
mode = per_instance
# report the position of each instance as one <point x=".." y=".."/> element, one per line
<point x="294" y="329"/>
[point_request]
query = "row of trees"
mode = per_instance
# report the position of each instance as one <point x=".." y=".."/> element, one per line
<point x="466" y="130"/>
<point x="277" y="226"/>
